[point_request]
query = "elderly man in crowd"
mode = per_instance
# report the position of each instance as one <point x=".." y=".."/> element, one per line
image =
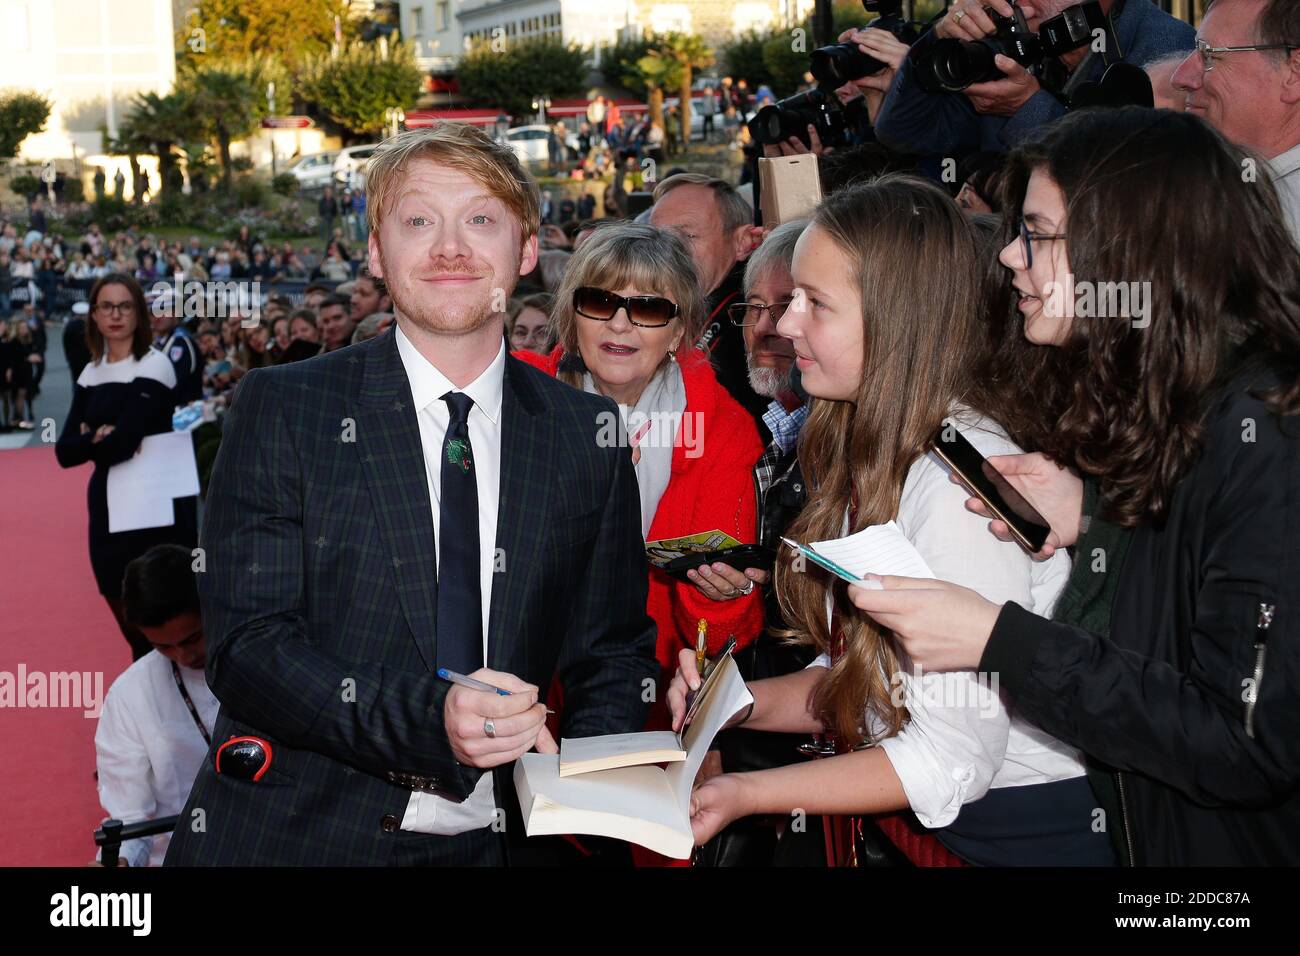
<point x="1245" y="79"/>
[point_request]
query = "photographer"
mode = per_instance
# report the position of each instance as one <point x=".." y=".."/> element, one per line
<point x="997" y="115"/>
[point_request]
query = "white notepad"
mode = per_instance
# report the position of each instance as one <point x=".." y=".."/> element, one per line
<point x="879" y="549"/>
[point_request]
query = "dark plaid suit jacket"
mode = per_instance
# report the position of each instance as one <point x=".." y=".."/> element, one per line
<point x="320" y="595"/>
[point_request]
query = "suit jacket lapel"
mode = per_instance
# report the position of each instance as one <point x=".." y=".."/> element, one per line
<point x="527" y="453"/>
<point x="392" y="458"/>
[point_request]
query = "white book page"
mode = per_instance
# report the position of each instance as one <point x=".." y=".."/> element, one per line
<point x="880" y="549"/>
<point x="727" y="699"/>
<point x="582" y="749"/>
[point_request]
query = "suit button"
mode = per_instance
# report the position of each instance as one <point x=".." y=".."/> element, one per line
<point x="389" y="823"/>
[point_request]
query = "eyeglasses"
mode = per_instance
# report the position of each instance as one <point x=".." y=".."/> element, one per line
<point x="1208" y="53"/>
<point x="1027" y="240"/>
<point x="109" y="308"/>
<point x="647" y="311"/>
<point x="745" y="314"/>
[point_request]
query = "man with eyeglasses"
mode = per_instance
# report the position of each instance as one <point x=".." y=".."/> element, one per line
<point x="1244" y="78"/>
<point x="718" y="228"/>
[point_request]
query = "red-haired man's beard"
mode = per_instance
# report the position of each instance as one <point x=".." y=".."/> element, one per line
<point x="455" y="307"/>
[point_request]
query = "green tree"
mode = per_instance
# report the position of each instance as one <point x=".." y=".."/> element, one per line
<point x="228" y="99"/>
<point x="22" y="113"/>
<point x="163" y="122"/>
<point x="785" y="53"/>
<point x="657" y="72"/>
<point x="743" y="57"/>
<point x="356" y="88"/>
<point x="234" y="30"/>
<point x="128" y="142"/>
<point x="620" y="65"/>
<point x="689" y="53"/>
<point x="509" y="78"/>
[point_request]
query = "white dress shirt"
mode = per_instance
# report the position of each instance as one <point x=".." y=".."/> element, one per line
<point x="961" y="739"/>
<point x="148" y="750"/>
<point x="426" y="812"/>
<point x="1286" y="177"/>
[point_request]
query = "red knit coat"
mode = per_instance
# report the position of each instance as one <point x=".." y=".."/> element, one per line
<point x="713" y="489"/>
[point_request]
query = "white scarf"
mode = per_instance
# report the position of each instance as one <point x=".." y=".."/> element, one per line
<point x="657" y="415"/>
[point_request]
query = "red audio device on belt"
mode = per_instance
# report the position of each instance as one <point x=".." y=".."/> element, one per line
<point x="244" y="757"/>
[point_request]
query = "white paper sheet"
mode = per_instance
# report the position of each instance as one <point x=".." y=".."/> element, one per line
<point x="879" y="549"/>
<point x="141" y="489"/>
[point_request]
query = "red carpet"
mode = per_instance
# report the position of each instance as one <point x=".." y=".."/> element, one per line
<point x="52" y="619"/>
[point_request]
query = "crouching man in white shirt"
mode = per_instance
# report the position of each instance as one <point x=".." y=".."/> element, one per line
<point x="158" y="716"/>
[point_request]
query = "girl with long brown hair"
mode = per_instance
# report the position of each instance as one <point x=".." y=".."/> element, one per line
<point x="1183" y="417"/>
<point x="887" y="367"/>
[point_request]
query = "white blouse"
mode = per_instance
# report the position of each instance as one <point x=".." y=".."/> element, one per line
<point x="962" y="739"/>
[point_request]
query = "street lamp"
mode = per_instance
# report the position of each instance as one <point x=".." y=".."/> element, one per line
<point x="541" y="104"/>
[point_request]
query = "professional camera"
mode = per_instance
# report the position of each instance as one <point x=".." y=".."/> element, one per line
<point x="819" y="107"/>
<point x="841" y="63"/>
<point x="951" y="65"/>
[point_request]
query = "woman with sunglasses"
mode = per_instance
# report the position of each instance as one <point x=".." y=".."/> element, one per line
<point x="124" y="394"/>
<point x="1184" y="421"/>
<point x="626" y="317"/>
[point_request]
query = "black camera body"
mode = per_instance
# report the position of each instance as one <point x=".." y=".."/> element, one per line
<point x="818" y="107"/>
<point x="841" y="63"/>
<point x="951" y="65"/>
<point x="832" y="67"/>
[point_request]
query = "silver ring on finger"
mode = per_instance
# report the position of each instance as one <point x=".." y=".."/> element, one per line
<point x="958" y="15"/>
<point x="748" y="589"/>
<point x="490" y="728"/>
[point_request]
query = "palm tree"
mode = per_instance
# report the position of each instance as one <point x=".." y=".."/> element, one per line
<point x="163" y="122"/>
<point x="690" y="53"/>
<point x="228" y="101"/>
<point x="129" y="143"/>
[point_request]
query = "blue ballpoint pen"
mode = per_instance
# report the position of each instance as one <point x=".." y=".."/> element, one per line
<point x="473" y="684"/>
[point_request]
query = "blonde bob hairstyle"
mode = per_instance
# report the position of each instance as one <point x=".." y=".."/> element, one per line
<point x="628" y="255"/>
<point x="459" y="146"/>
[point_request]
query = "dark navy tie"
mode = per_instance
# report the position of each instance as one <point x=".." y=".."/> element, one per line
<point x="460" y="609"/>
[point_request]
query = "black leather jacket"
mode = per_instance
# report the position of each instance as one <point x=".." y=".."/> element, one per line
<point x="1195" y="696"/>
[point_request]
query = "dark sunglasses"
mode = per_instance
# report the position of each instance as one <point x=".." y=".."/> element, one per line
<point x="647" y="311"/>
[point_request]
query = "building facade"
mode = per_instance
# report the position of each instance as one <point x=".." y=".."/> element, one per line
<point x="89" y="58"/>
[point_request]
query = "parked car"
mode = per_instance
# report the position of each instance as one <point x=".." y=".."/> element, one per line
<point x="315" y="171"/>
<point x="352" y="159"/>
<point x="530" y="142"/>
<point x="697" y="114"/>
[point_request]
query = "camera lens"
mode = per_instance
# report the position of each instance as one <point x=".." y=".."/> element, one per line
<point x="833" y="66"/>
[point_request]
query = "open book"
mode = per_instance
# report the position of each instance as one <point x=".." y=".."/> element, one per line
<point x="644" y="804"/>
<point x="589" y="754"/>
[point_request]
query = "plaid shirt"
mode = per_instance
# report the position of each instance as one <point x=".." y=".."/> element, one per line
<point x="785" y="427"/>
